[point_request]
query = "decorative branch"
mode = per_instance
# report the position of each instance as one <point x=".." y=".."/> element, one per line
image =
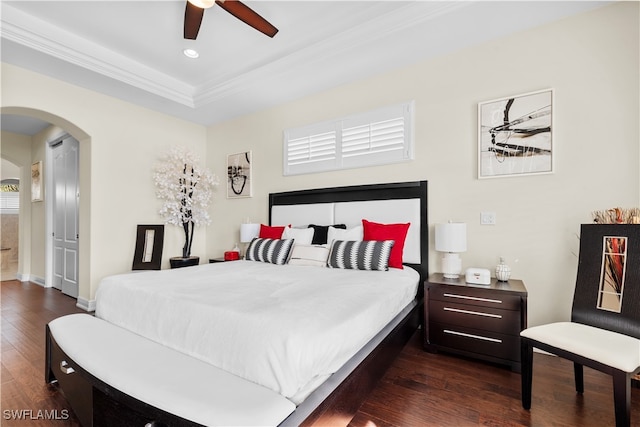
<point x="186" y="190"/>
<point x="617" y="216"/>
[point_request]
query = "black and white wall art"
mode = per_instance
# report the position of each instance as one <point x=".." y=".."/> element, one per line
<point x="239" y="175"/>
<point x="515" y="135"/>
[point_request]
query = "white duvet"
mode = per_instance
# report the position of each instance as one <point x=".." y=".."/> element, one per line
<point x="284" y="327"/>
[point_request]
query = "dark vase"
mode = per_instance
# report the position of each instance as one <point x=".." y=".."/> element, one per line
<point x="178" y="262"/>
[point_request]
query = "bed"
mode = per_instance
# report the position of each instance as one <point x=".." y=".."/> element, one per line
<point x="315" y="339"/>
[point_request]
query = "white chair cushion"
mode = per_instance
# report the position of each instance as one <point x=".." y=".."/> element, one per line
<point x="610" y="348"/>
<point x="165" y="378"/>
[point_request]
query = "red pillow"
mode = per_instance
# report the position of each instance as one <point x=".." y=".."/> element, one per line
<point x="396" y="232"/>
<point x="268" y="232"/>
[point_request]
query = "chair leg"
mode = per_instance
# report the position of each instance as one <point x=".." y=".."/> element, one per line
<point x="579" y="377"/>
<point x="527" y="371"/>
<point x="622" y="398"/>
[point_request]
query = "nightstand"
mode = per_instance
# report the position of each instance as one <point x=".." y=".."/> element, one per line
<point x="479" y="321"/>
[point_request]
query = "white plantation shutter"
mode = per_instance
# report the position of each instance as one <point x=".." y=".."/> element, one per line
<point x="373" y="138"/>
<point x="9" y="202"/>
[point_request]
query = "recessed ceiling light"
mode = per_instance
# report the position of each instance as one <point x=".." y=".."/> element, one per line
<point x="191" y="53"/>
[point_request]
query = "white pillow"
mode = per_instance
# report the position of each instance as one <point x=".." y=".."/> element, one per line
<point x="315" y="255"/>
<point x="355" y="233"/>
<point x="302" y="236"/>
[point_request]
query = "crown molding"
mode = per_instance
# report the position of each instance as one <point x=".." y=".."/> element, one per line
<point x="41" y="36"/>
<point x="401" y="19"/>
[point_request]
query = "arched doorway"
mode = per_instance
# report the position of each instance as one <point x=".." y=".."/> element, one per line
<point x="38" y="266"/>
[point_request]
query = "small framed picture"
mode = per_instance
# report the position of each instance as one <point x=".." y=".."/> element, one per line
<point x="148" y="252"/>
<point x="515" y="135"/>
<point x="239" y="175"/>
<point x="36" y="182"/>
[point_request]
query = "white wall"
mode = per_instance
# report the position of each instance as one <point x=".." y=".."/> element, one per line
<point x="592" y="63"/>
<point x="120" y="144"/>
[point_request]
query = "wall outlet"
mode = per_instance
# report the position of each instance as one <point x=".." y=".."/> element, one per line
<point x="487" y="218"/>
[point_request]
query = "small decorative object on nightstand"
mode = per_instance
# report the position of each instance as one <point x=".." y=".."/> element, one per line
<point x="480" y="321"/>
<point x="503" y="271"/>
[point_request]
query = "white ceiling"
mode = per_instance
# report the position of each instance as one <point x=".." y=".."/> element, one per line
<point x="133" y="49"/>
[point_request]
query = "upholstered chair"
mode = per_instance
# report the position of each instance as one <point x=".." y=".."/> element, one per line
<point x="604" y="331"/>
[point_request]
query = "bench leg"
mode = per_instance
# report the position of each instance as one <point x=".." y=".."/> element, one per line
<point x="622" y="398"/>
<point x="527" y="371"/>
<point x="579" y="377"/>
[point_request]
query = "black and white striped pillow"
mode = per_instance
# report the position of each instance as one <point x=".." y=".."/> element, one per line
<point x="274" y="251"/>
<point x="360" y="254"/>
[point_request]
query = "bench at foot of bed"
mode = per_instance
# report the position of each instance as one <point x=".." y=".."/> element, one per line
<point x="111" y="376"/>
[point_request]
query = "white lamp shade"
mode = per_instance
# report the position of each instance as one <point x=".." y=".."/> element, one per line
<point x="451" y="237"/>
<point x="248" y="232"/>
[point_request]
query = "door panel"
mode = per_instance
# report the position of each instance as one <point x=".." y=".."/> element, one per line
<point x="65" y="211"/>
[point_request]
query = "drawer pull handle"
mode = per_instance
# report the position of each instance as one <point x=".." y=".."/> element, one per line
<point x="65" y="368"/>
<point x="497" y="301"/>
<point x="462" y="334"/>
<point x="477" y="313"/>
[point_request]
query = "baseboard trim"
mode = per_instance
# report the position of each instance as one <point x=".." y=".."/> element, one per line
<point x="34" y="279"/>
<point x="85" y="304"/>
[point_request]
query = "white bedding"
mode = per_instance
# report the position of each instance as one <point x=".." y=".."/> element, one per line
<point x="284" y="327"/>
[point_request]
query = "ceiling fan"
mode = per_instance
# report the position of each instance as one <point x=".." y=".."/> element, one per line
<point x="195" y="11"/>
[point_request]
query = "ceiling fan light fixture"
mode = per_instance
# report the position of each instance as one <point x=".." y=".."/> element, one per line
<point x="202" y="4"/>
<point x="191" y="53"/>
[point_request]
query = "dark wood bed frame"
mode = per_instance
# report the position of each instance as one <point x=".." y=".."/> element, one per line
<point x="335" y="402"/>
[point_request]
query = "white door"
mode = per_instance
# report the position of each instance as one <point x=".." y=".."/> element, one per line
<point x="65" y="216"/>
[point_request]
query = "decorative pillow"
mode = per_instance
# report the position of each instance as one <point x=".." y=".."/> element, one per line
<point x="360" y="255"/>
<point x="309" y="255"/>
<point x="320" y="232"/>
<point x="269" y="232"/>
<point x="395" y="232"/>
<point x="303" y="236"/>
<point x="274" y="251"/>
<point x="334" y="233"/>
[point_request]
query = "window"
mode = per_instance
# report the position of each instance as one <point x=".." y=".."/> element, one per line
<point x="9" y="202"/>
<point x="373" y="138"/>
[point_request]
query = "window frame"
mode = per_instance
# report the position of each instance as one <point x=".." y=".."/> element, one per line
<point x="321" y="158"/>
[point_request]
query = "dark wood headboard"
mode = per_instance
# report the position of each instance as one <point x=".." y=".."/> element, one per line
<point x="371" y="192"/>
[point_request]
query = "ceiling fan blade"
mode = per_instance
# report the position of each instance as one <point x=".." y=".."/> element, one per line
<point x="248" y="16"/>
<point x="192" y="20"/>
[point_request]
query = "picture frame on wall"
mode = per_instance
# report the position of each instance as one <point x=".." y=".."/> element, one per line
<point x="239" y="182"/>
<point x="36" y="182"/>
<point x="515" y="135"/>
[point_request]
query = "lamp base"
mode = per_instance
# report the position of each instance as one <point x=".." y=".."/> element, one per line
<point x="451" y="265"/>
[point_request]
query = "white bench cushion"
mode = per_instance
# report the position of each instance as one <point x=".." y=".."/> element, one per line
<point x="165" y="378"/>
<point x="610" y="348"/>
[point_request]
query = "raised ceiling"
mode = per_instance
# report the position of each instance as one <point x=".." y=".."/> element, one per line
<point x="132" y="50"/>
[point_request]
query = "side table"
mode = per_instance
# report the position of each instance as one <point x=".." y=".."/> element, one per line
<point x="479" y="321"/>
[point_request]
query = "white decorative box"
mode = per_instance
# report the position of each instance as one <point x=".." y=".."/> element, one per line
<point x="478" y="276"/>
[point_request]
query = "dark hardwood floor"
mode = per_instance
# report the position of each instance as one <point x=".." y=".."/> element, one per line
<point x="420" y="389"/>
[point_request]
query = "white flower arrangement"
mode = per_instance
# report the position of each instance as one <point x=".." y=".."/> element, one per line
<point x="186" y="190"/>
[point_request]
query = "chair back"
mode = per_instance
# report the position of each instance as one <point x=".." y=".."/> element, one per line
<point x="607" y="292"/>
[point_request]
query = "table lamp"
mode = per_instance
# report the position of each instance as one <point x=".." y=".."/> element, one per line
<point x="451" y="238"/>
<point x="248" y="232"/>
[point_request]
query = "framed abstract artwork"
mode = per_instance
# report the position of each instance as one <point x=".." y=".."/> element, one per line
<point x="36" y="182"/>
<point x="515" y="135"/>
<point x="239" y="183"/>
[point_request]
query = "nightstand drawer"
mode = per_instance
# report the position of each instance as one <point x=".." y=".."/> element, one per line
<point x="475" y="316"/>
<point x="474" y="341"/>
<point x="475" y="296"/>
